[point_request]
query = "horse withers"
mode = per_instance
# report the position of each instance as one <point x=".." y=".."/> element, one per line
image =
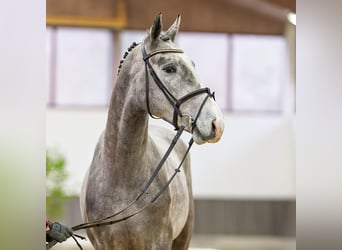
<point x="155" y="79"/>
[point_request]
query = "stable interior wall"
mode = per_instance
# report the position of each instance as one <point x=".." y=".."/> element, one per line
<point x="254" y="159"/>
<point x="244" y="184"/>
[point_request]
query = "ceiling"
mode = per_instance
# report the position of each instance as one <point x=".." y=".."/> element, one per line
<point x="228" y="16"/>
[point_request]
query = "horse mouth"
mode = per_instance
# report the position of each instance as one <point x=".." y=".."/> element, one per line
<point x="200" y="138"/>
<point x="212" y="135"/>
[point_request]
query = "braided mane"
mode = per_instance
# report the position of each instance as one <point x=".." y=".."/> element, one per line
<point x="133" y="45"/>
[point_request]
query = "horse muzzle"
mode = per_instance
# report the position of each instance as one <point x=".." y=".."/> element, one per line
<point x="211" y="133"/>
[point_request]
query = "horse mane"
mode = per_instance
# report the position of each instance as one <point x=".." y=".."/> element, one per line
<point x="133" y="45"/>
<point x="163" y="37"/>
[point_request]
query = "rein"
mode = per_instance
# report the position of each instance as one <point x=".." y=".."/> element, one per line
<point x="104" y="222"/>
<point x="175" y="103"/>
<point x="101" y="222"/>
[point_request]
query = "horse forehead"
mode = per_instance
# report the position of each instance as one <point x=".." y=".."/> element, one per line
<point x="180" y="58"/>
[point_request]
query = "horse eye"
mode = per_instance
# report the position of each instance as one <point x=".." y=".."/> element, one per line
<point x="170" y="69"/>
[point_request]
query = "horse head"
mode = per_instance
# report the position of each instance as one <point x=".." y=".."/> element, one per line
<point x="173" y="90"/>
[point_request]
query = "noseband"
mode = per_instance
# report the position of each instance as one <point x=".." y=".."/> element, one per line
<point x="175" y="103"/>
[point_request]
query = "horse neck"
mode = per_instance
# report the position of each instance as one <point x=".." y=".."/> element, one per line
<point x="126" y="132"/>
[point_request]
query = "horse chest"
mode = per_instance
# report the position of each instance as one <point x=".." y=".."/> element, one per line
<point x="178" y="194"/>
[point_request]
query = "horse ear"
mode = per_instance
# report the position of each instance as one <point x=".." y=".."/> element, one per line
<point x="172" y="31"/>
<point x="156" y="28"/>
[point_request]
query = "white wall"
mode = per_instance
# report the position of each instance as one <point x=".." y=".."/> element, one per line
<point x="255" y="158"/>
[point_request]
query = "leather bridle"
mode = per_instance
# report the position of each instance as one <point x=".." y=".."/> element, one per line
<point x="175" y="103"/>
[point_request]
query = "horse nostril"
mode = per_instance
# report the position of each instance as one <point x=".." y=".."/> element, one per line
<point x="216" y="131"/>
<point x="213" y="127"/>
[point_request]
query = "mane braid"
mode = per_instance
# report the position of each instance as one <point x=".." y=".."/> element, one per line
<point x="133" y="45"/>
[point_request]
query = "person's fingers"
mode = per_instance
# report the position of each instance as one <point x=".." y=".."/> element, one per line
<point x="70" y="231"/>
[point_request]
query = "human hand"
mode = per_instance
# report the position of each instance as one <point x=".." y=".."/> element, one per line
<point x="57" y="231"/>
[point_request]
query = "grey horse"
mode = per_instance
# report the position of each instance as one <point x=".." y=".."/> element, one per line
<point x="129" y="149"/>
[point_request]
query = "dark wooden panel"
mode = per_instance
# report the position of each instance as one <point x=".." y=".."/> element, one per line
<point x="288" y="4"/>
<point x="241" y="217"/>
<point x="197" y="15"/>
<point x="202" y="15"/>
<point x="227" y="217"/>
<point x="85" y="8"/>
